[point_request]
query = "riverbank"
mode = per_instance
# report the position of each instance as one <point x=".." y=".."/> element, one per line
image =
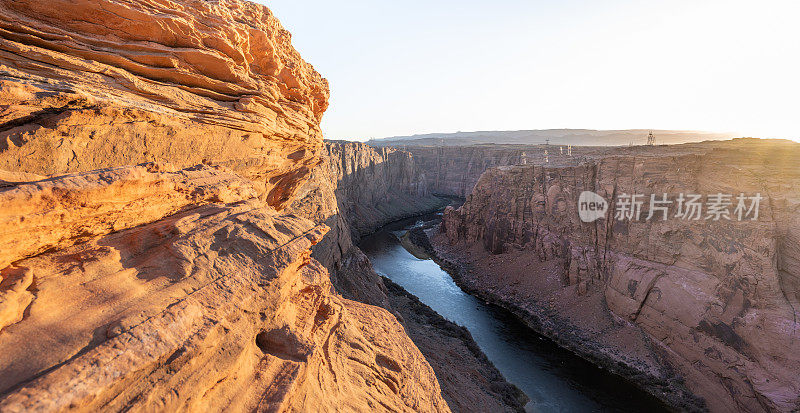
<point x="463" y="370"/>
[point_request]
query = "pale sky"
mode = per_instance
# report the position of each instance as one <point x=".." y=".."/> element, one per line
<point x="407" y="67"/>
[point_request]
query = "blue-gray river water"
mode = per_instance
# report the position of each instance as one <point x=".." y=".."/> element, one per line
<point x="554" y="379"/>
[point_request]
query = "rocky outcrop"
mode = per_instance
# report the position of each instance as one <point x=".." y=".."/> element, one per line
<point x="716" y="300"/>
<point x="211" y="307"/>
<point x="102" y="83"/>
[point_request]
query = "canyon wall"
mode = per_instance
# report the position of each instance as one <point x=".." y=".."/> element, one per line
<point x="709" y="305"/>
<point x="177" y="236"/>
<point x="357" y="189"/>
<point x="454" y="170"/>
<point x="147" y="149"/>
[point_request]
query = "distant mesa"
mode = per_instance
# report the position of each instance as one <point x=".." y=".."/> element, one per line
<point x="585" y="137"/>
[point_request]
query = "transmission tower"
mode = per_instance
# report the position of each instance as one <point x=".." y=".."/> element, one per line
<point x="651" y="140"/>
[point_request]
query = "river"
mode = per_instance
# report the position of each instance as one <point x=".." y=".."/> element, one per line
<point x="555" y="379"/>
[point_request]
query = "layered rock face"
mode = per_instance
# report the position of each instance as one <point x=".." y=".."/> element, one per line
<point x="94" y="84"/>
<point x="717" y="301"/>
<point x="173" y="285"/>
<point x="454" y="170"/>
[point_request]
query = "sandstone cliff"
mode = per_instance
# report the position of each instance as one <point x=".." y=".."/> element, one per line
<point x="454" y="170"/>
<point x="717" y="301"/>
<point x="94" y="84"/>
<point x="173" y="285"/>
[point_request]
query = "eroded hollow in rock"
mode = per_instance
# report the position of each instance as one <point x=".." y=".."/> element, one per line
<point x="282" y="343"/>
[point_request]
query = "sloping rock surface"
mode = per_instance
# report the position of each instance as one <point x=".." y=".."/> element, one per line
<point x="213" y="307"/>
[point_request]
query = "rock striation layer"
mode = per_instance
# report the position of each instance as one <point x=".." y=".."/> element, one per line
<point x="101" y="83"/>
<point x="716" y="301"/>
<point x="57" y="213"/>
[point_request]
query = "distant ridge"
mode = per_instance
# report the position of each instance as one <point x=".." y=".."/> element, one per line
<point x="586" y="137"/>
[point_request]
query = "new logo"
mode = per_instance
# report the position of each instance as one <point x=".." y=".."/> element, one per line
<point x="591" y="206"/>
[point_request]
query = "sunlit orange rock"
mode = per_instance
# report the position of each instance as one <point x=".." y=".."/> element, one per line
<point x="59" y="212"/>
<point x="98" y="83"/>
<point x="213" y="303"/>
